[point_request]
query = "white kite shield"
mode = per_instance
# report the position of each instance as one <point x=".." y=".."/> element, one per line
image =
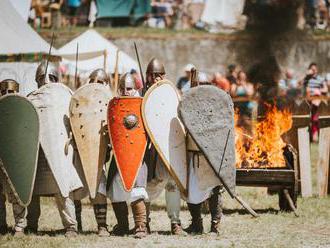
<point x="88" y="118"/>
<point x="165" y="130"/>
<point x="52" y="102"/>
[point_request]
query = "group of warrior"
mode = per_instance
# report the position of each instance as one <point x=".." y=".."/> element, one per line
<point x="151" y="181"/>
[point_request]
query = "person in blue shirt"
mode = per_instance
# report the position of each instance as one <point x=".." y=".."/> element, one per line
<point x="73" y="6"/>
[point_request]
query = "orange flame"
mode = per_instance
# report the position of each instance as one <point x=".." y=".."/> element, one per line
<point x="264" y="148"/>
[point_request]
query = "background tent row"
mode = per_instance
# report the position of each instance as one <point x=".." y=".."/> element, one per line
<point x="22" y="49"/>
<point x="94" y="52"/>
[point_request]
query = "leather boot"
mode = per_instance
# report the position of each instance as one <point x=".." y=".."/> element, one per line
<point x="196" y="226"/>
<point x="100" y="211"/>
<point x="3" y="229"/>
<point x="148" y="217"/>
<point x="140" y="218"/>
<point x="78" y="210"/>
<point x="33" y="215"/>
<point x="176" y="229"/>
<point x="121" y="213"/>
<point x="215" y="204"/>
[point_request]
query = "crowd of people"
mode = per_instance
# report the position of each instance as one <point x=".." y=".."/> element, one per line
<point x="235" y="82"/>
<point x="178" y="14"/>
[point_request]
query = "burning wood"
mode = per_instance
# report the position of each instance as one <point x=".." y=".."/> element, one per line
<point x="264" y="147"/>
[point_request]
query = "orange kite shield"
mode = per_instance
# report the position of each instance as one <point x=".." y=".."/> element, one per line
<point x="128" y="137"/>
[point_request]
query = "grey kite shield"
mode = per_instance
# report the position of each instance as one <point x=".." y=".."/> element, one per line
<point x="208" y="114"/>
<point x="19" y="145"/>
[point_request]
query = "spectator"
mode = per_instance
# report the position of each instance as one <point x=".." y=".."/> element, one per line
<point x="232" y="73"/>
<point x="162" y="12"/>
<point x="55" y="8"/>
<point x="221" y="82"/>
<point x="92" y="13"/>
<point x="73" y="6"/>
<point x="323" y="14"/>
<point x="184" y="83"/>
<point x="192" y="12"/>
<point x="289" y="85"/>
<point x="314" y="85"/>
<point x="242" y="88"/>
<point x="310" y="12"/>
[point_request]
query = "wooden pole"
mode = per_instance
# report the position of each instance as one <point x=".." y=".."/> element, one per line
<point x="290" y="201"/>
<point x="105" y="55"/>
<point x="323" y="163"/>
<point x="116" y="79"/>
<point x="246" y="206"/>
<point x="305" y="162"/>
<point x="298" y="137"/>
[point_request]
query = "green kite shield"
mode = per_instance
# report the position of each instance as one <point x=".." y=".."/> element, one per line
<point x="52" y="102"/>
<point x="208" y="114"/>
<point x="165" y="130"/>
<point x="19" y="145"/>
<point x="88" y="118"/>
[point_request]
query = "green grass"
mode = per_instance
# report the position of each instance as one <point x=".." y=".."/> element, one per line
<point x="271" y="229"/>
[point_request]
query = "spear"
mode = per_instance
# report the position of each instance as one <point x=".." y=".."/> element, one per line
<point x="49" y="53"/>
<point x="141" y="72"/>
<point x="76" y="71"/>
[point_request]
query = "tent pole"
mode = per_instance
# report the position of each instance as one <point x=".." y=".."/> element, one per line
<point x="105" y="54"/>
<point x="116" y="79"/>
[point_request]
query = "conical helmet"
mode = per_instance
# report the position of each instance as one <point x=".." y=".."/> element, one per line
<point x="8" y="86"/>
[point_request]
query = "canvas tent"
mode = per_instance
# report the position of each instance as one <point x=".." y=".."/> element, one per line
<point x="22" y="7"/>
<point x="21" y="48"/>
<point x="94" y="52"/>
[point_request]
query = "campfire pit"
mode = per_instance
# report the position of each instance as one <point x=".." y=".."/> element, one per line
<point x="283" y="181"/>
<point x="265" y="160"/>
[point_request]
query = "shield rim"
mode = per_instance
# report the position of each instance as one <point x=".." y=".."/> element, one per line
<point x="3" y="169"/>
<point x="113" y="150"/>
<point x="71" y="124"/>
<point x="230" y="192"/>
<point x="152" y="137"/>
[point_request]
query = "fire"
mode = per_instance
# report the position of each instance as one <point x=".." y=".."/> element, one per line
<point x="264" y="148"/>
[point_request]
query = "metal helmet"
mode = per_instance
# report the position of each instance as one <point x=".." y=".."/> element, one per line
<point x="8" y="86"/>
<point x="99" y="76"/>
<point x="53" y="75"/>
<point x="155" y="66"/>
<point x="127" y="85"/>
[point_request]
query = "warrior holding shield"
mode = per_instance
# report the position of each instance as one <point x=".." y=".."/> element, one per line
<point x="9" y="86"/>
<point x="127" y="177"/>
<point x="158" y="176"/>
<point x="91" y="167"/>
<point x="203" y="183"/>
<point x="208" y="115"/>
<point x="56" y="175"/>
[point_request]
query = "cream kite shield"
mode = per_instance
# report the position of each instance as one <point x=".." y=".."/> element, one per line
<point x="52" y="103"/>
<point x="165" y="130"/>
<point x="88" y="118"/>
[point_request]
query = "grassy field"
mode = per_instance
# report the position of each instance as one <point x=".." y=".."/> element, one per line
<point x="271" y="229"/>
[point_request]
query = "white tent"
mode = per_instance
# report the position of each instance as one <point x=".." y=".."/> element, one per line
<point x="22" y="7"/>
<point x="94" y="52"/>
<point x="18" y="38"/>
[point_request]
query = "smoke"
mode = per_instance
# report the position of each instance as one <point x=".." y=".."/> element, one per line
<point x="272" y="29"/>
